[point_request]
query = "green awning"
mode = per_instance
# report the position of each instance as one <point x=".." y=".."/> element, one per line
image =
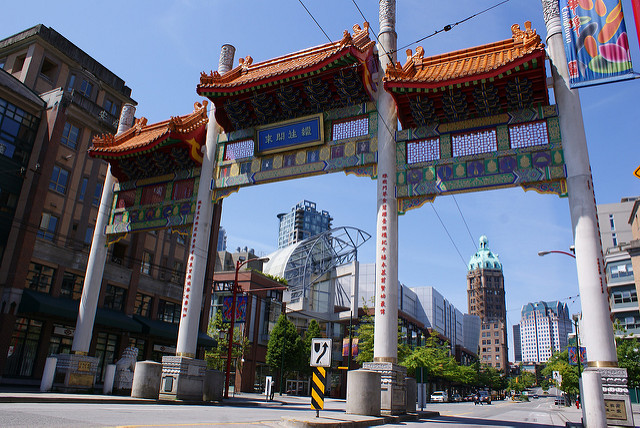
<point x="33" y="303"/>
<point x="169" y="331"/>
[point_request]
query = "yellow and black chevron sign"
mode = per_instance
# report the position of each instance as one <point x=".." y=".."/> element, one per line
<point x="317" y="388"/>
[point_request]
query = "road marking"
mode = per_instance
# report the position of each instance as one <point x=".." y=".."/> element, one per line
<point x="195" y="424"/>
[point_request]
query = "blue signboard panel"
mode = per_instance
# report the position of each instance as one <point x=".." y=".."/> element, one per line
<point x="595" y="42"/>
<point x="292" y="134"/>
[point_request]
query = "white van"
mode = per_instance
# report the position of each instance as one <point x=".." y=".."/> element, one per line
<point x="440" y="397"/>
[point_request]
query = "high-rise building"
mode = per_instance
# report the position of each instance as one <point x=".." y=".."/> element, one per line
<point x="544" y="329"/>
<point x="616" y="235"/>
<point x="222" y="240"/>
<point x="302" y="222"/>
<point x="486" y="299"/>
<point x="517" y="343"/>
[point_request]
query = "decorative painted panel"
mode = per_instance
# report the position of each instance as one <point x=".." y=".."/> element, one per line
<point x="520" y="148"/>
<point x="348" y="143"/>
<point x="166" y="201"/>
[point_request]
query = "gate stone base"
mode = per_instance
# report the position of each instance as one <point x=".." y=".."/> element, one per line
<point x="182" y="378"/>
<point x="393" y="387"/>
<point x="75" y="373"/>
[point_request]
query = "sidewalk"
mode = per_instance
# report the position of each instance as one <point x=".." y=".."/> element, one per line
<point x="332" y="416"/>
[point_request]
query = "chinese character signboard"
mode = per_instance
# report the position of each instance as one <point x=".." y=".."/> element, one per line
<point x="595" y="41"/>
<point x="306" y="131"/>
<point x="241" y="308"/>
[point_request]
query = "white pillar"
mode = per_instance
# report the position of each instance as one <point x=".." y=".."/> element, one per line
<point x="98" y="254"/>
<point x="201" y="231"/>
<point x="46" y="384"/>
<point x="593" y="410"/>
<point x="385" y="342"/>
<point x="596" y="321"/>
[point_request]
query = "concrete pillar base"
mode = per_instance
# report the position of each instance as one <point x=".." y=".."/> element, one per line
<point x="213" y="388"/>
<point x="182" y="378"/>
<point x="146" y="380"/>
<point x="412" y="394"/>
<point x="606" y="388"/>
<point x="75" y="373"/>
<point x="363" y="392"/>
<point x="392" y="389"/>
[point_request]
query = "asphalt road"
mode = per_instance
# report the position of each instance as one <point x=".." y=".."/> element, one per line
<point x="537" y="413"/>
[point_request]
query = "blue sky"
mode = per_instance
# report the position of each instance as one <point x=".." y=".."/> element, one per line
<point x="159" y="48"/>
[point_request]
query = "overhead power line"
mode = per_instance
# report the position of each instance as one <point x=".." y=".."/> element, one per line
<point x="449" y="27"/>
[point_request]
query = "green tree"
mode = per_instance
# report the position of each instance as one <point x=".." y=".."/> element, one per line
<point x="559" y="362"/>
<point x="435" y="358"/>
<point x="216" y="358"/>
<point x="628" y="351"/>
<point x="313" y="331"/>
<point x="285" y="348"/>
<point x="365" y="332"/>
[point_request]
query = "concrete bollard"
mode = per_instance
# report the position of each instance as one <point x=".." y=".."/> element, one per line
<point x="146" y="380"/>
<point x="593" y="410"/>
<point x="412" y="394"/>
<point x="46" y="384"/>
<point x="363" y="392"/>
<point x="213" y="387"/>
<point x="109" y="377"/>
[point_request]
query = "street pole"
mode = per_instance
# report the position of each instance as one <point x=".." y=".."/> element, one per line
<point x="234" y="295"/>
<point x="350" y="339"/>
<point x="281" y="365"/>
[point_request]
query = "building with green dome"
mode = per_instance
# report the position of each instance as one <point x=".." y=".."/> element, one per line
<point x="486" y="299"/>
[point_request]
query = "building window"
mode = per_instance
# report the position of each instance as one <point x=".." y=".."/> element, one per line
<point x="86" y="88"/>
<point x="147" y="259"/>
<point x="61" y="339"/>
<point x="71" y="286"/>
<point x="110" y="107"/>
<point x="169" y="311"/>
<point x="83" y="189"/>
<point x="106" y="346"/>
<point x="59" y="180"/>
<point x="72" y="82"/>
<point x="114" y="297"/>
<point x="611" y="222"/>
<point x="40" y="277"/>
<point x="614" y="238"/>
<point x="70" y="136"/>
<point x="142" y="305"/>
<point x="88" y="235"/>
<point x="177" y="274"/>
<point x="47" y="228"/>
<point x="49" y="69"/>
<point x="96" y="195"/>
<point x="23" y="348"/>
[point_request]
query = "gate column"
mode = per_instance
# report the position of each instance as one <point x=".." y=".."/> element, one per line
<point x="596" y="315"/>
<point x="385" y="341"/>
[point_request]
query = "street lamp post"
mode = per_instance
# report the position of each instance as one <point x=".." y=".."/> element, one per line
<point x="544" y="253"/>
<point x="575" y="323"/>
<point x="239" y="264"/>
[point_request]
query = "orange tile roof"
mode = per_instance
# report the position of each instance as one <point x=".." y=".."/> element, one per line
<point x="249" y="74"/>
<point x="466" y="64"/>
<point x="142" y="136"/>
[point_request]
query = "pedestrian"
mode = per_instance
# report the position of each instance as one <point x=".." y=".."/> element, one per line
<point x="476" y="399"/>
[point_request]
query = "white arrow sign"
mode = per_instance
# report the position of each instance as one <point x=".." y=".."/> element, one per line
<point x="320" y="352"/>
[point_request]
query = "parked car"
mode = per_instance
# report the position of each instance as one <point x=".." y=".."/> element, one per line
<point x="456" y="398"/>
<point x="470" y="397"/>
<point x="484" y="397"/>
<point x="440" y="397"/>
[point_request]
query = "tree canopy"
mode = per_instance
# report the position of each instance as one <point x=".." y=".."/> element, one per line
<point x="285" y="349"/>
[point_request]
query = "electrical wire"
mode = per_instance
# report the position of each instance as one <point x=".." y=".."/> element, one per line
<point x="448" y="234"/>
<point x="465" y="222"/>
<point x="449" y="27"/>
<point x="314" y="20"/>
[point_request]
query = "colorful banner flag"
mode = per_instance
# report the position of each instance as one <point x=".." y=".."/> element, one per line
<point x="573" y="357"/>
<point x="354" y="347"/>
<point x="241" y="308"/>
<point x="595" y="42"/>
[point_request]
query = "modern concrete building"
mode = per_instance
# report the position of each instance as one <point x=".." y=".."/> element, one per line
<point x="517" y="343"/>
<point x="486" y="299"/>
<point x="544" y="329"/>
<point x="617" y="236"/>
<point x="54" y="98"/>
<point x="222" y="240"/>
<point x="302" y="222"/>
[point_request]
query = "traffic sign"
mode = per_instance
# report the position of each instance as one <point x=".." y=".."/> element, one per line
<point x="320" y="352"/>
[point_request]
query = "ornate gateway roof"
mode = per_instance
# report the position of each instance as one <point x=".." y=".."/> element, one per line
<point x="332" y="75"/>
<point x="470" y="83"/>
<point x="154" y="150"/>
